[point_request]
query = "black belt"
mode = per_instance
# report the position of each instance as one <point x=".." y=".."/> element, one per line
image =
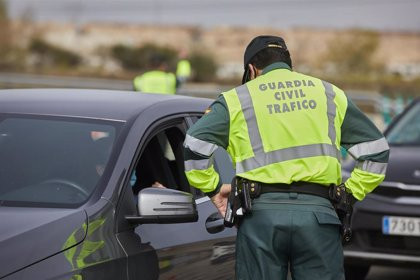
<point x="297" y="187"/>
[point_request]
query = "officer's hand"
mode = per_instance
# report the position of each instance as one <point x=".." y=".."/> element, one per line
<point x="220" y="199"/>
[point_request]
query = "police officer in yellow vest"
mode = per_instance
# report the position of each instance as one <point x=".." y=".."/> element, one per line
<point x="183" y="67"/>
<point x="183" y="70"/>
<point x="158" y="80"/>
<point x="283" y="131"/>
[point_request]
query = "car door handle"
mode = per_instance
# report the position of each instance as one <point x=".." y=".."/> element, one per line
<point x="214" y="223"/>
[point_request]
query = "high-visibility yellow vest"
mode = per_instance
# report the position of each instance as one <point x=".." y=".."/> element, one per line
<point x="183" y="69"/>
<point x="285" y="127"/>
<point x="156" y="82"/>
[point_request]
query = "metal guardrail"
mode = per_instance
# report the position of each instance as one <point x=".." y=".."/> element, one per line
<point x="18" y="80"/>
<point x="34" y="80"/>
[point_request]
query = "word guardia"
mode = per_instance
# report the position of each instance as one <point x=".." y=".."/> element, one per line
<point x="291" y="94"/>
<point x="286" y="84"/>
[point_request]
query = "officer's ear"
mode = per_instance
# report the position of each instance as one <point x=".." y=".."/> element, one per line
<point x="253" y="71"/>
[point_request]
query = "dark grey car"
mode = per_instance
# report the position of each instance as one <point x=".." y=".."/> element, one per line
<point x="386" y="224"/>
<point x="76" y="198"/>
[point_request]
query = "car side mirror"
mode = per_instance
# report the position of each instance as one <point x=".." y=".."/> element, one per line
<point x="164" y="206"/>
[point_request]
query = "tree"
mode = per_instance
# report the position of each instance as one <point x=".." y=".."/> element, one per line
<point x="353" y="53"/>
<point x="138" y="58"/>
<point x="3" y="11"/>
<point x="52" y="56"/>
<point x="5" y="38"/>
<point x="204" y="66"/>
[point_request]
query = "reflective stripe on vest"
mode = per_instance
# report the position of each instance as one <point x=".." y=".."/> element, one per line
<point x="369" y="148"/>
<point x="201" y="164"/>
<point x="261" y="158"/>
<point x="331" y="109"/>
<point x="372" y="167"/>
<point x="199" y="146"/>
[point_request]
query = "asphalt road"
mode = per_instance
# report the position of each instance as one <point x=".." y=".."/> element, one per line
<point x="389" y="273"/>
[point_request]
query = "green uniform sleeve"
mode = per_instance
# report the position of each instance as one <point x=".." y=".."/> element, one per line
<point x="367" y="145"/>
<point x="203" y="138"/>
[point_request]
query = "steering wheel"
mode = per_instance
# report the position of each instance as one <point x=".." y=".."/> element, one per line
<point x="66" y="183"/>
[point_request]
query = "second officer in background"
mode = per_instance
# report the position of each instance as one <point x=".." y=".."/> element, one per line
<point x="158" y="79"/>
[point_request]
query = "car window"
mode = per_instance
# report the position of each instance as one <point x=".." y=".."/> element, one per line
<point x="52" y="161"/>
<point x="407" y="130"/>
<point x="161" y="163"/>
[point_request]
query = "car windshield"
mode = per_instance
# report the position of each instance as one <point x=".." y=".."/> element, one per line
<point x="407" y="130"/>
<point x="52" y="162"/>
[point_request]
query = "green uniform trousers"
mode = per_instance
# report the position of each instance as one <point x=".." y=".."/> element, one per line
<point x="292" y="231"/>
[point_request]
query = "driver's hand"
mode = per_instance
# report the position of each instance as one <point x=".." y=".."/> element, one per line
<point x="158" y="185"/>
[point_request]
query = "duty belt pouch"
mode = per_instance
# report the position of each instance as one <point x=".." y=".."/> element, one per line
<point x="253" y="188"/>
<point x="247" y="191"/>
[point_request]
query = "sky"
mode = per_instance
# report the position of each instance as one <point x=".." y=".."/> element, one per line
<point x="383" y="15"/>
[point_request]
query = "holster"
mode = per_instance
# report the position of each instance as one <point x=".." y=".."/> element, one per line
<point x="240" y="200"/>
<point x="343" y="202"/>
<point x="232" y="207"/>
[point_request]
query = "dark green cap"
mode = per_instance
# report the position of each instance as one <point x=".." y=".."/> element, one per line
<point x="258" y="44"/>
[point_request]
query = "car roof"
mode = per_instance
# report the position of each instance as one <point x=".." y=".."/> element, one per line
<point x="97" y="104"/>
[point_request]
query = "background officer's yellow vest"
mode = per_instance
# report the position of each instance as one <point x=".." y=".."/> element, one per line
<point x="156" y="82"/>
<point x="183" y="69"/>
<point x="285" y="127"/>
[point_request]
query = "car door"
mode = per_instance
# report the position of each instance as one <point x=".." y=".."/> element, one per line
<point x="183" y="250"/>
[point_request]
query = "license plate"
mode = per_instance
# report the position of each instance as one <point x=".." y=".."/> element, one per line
<point x="401" y="225"/>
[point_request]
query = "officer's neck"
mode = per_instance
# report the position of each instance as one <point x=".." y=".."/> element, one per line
<point x="275" y="65"/>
